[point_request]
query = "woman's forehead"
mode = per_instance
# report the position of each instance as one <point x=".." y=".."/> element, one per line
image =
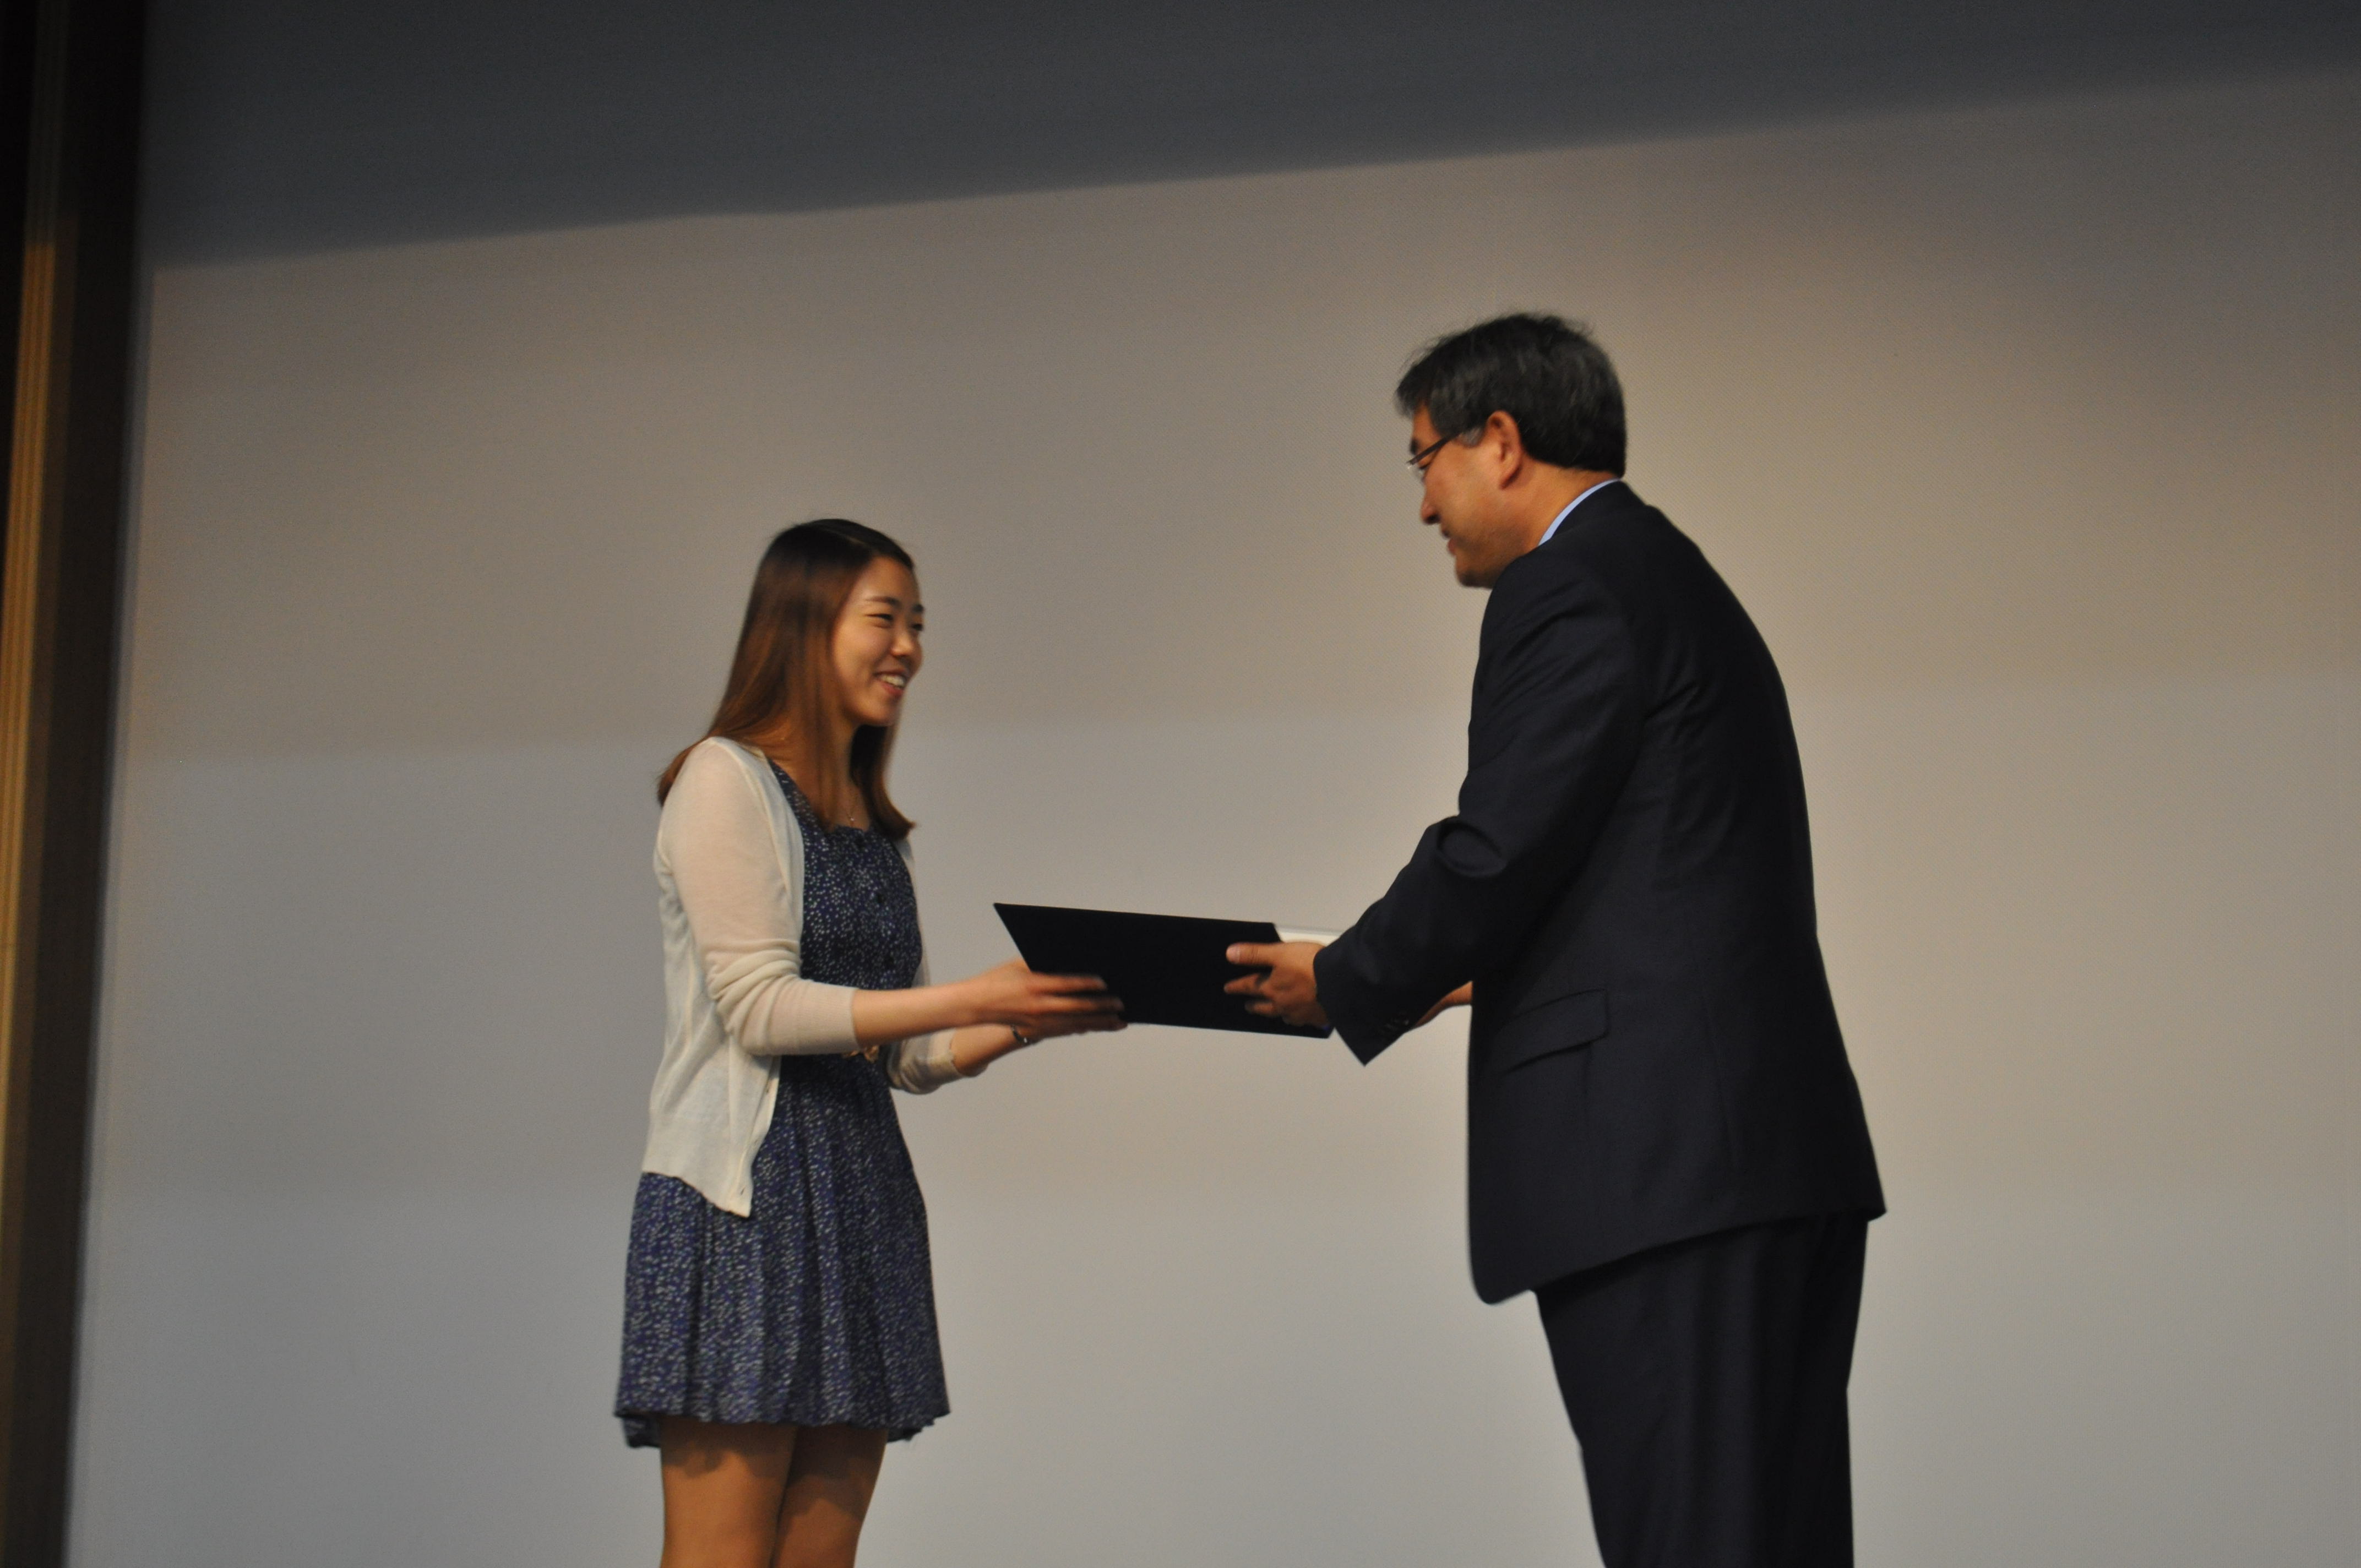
<point x="888" y="580"/>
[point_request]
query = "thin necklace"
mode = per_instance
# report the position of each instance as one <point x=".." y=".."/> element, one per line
<point x="787" y="773"/>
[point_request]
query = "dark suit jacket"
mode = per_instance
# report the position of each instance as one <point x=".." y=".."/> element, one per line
<point x="1628" y="882"/>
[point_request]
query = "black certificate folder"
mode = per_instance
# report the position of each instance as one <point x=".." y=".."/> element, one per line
<point x="1169" y="969"/>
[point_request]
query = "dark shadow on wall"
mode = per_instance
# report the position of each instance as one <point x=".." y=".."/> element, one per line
<point x="288" y="126"/>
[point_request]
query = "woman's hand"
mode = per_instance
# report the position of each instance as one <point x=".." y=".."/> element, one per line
<point x="993" y="1013"/>
<point x="1039" y="1006"/>
<point x="1015" y="1008"/>
<point x="1463" y="997"/>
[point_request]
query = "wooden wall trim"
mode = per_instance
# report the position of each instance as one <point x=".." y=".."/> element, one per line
<point x="72" y="115"/>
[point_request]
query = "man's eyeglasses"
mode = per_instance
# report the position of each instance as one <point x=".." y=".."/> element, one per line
<point x="1418" y="459"/>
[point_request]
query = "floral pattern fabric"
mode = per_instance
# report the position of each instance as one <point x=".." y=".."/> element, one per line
<point x="817" y="1309"/>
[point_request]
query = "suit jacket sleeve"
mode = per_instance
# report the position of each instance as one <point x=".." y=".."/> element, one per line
<point x="1555" y="727"/>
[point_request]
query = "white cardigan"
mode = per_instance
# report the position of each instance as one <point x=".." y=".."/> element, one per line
<point x="729" y="875"/>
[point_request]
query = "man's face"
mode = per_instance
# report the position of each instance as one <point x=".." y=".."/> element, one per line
<point x="1463" y="498"/>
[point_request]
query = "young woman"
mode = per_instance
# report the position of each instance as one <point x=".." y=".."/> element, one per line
<point x="779" y="1318"/>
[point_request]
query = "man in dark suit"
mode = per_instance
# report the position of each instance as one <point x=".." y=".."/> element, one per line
<point x="1664" y="1142"/>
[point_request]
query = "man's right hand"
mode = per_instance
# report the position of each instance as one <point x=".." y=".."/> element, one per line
<point x="1463" y="997"/>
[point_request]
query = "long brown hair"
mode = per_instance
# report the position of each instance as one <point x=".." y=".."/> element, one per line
<point x="782" y="677"/>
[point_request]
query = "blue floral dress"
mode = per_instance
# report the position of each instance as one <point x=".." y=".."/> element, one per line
<point x="818" y="1308"/>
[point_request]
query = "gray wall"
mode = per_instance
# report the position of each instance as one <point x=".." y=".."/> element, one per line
<point x="282" y="127"/>
<point x="2027" y="435"/>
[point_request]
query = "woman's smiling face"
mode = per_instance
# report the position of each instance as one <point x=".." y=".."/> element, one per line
<point x="875" y="648"/>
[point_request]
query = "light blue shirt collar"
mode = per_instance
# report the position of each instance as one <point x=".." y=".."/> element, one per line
<point x="1551" y="530"/>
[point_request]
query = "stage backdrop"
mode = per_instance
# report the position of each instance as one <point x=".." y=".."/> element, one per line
<point x="2027" y="434"/>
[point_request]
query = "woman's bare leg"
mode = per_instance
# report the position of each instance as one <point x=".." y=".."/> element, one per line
<point x="723" y="1483"/>
<point x="829" y="1482"/>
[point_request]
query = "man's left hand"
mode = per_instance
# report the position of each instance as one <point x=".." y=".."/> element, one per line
<point x="1286" y="988"/>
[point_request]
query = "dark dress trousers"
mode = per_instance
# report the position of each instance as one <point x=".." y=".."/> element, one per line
<point x="1664" y="1138"/>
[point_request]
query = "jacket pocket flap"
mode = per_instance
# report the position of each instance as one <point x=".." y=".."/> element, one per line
<point x="1558" y="1024"/>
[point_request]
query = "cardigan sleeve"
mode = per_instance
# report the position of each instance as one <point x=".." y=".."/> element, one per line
<point x="716" y="837"/>
<point x="923" y="1063"/>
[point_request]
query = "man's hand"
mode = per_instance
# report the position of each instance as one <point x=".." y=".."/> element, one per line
<point x="1463" y="997"/>
<point x="1286" y="988"/>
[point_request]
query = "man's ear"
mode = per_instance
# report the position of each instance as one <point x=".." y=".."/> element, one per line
<point x="1506" y="443"/>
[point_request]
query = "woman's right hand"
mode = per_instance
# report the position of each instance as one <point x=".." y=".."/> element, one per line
<point x="1039" y="1007"/>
